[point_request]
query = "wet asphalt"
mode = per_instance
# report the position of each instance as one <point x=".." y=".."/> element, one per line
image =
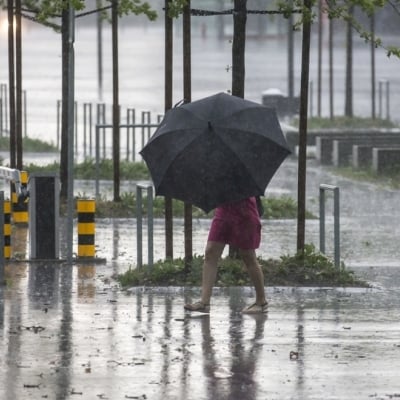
<point x="70" y="332"/>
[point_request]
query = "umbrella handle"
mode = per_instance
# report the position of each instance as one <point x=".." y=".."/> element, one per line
<point x="179" y="103"/>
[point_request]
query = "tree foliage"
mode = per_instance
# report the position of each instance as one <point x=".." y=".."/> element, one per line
<point x="136" y="7"/>
<point x="176" y="7"/>
<point x="44" y="10"/>
<point x="340" y="10"/>
<point x="334" y="9"/>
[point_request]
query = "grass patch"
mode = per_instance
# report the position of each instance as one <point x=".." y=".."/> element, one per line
<point x="342" y="122"/>
<point x="86" y="170"/>
<point x="31" y="168"/>
<point x="29" y="144"/>
<point x="311" y="269"/>
<point x="128" y="170"/>
<point x="126" y="208"/>
<point x="275" y="208"/>
<point x="283" y="207"/>
<point x="390" y="178"/>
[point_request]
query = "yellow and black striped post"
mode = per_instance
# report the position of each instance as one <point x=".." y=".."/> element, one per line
<point x="7" y="229"/>
<point x="86" y="227"/>
<point x="20" y="209"/>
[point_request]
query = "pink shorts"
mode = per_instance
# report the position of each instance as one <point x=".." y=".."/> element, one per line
<point x="246" y="236"/>
<point x="237" y="224"/>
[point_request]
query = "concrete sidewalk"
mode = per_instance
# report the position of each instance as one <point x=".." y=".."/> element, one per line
<point x="71" y="333"/>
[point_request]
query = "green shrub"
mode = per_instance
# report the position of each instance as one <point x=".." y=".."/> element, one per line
<point x="29" y="144"/>
<point x="346" y="122"/>
<point x="310" y="268"/>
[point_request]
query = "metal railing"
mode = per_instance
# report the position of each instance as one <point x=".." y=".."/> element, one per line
<point x="4" y="111"/>
<point x="384" y="86"/>
<point x="336" y="220"/>
<point x="136" y="128"/>
<point x="139" y="225"/>
<point x="98" y="144"/>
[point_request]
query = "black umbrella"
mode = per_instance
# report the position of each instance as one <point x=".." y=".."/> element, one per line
<point x="215" y="150"/>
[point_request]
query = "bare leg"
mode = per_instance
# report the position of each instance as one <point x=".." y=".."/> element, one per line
<point x="256" y="275"/>
<point x="211" y="257"/>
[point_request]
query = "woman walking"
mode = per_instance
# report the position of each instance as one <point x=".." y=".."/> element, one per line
<point x="236" y="224"/>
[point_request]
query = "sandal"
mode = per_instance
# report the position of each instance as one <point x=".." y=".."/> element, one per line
<point x="199" y="306"/>
<point x="256" y="309"/>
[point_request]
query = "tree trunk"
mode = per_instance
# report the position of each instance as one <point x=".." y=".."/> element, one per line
<point x="18" y="81"/>
<point x="169" y="253"/>
<point x="302" y="160"/>
<point x="320" y="31"/>
<point x="116" y="138"/>
<point x="331" y="88"/>
<point x="99" y="51"/>
<point x="11" y="80"/>
<point x="238" y="62"/>
<point x="220" y="22"/>
<point x="65" y="26"/>
<point x="238" y="47"/>
<point x="290" y="57"/>
<point x="348" y="108"/>
<point x="187" y="95"/>
<point x="373" y="71"/>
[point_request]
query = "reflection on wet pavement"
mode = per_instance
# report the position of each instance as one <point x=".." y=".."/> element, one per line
<point x="70" y="332"/>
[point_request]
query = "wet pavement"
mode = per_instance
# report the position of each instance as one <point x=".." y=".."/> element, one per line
<point x="369" y="222"/>
<point x="70" y="332"/>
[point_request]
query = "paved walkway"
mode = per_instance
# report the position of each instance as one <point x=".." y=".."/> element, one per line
<point x="71" y="333"/>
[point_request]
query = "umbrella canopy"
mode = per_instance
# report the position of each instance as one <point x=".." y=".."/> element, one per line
<point x="215" y="150"/>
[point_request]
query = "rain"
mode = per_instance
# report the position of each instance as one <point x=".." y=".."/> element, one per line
<point x="70" y="332"/>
